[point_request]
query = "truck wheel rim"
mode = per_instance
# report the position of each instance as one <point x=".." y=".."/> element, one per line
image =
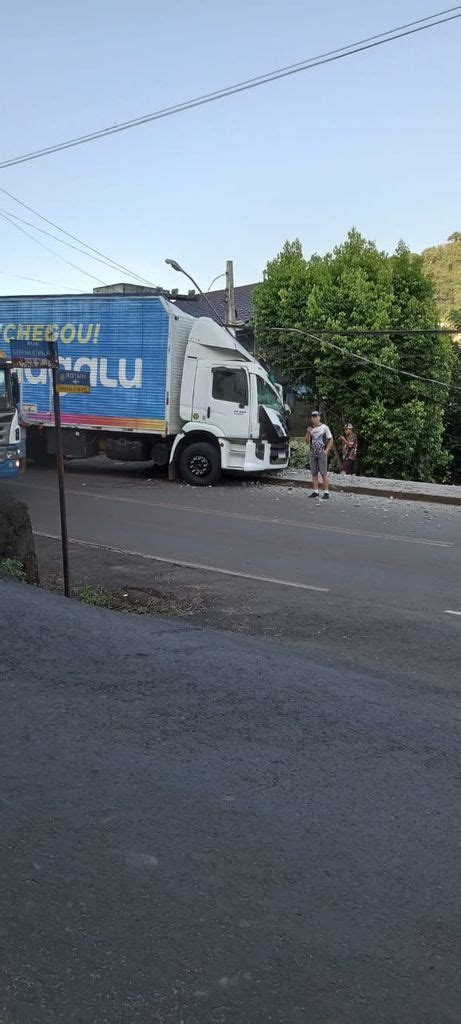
<point x="199" y="465"/>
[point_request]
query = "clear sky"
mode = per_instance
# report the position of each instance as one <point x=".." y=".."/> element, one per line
<point x="371" y="141"/>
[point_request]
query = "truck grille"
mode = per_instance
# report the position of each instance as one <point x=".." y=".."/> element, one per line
<point x="279" y="452"/>
<point x="5" y="423"/>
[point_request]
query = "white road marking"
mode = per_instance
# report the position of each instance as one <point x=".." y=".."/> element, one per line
<point x="186" y="565"/>
<point x="448" y="611"/>
<point x="271" y="520"/>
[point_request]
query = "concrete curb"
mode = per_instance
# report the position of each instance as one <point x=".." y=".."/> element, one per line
<point x="433" y="499"/>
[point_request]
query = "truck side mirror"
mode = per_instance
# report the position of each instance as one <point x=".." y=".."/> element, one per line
<point x="15" y="388"/>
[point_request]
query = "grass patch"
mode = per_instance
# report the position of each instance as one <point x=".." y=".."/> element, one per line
<point x="14" y="568"/>
<point x="132" y="599"/>
<point x="96" y="596"/>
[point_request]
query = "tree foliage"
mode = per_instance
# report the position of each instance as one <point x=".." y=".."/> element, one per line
<point x="443" y="263"/>
<point x="453" y="415"/>
<point x="358" y="288"/>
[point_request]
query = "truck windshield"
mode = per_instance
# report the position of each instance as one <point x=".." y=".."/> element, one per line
<point x="6" y="402"/>
<point x="268" y="396"/>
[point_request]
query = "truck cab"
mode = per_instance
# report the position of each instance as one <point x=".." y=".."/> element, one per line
<point x="233" y="415"/>
<point x="12" y="444"/>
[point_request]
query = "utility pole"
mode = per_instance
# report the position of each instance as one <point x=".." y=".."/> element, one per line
<point x="231" y="315"/>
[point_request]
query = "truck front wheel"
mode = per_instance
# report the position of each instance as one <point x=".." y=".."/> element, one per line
<point x="200" y="464"/>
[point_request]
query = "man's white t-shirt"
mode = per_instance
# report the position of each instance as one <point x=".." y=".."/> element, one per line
<point x="319" y="438"/>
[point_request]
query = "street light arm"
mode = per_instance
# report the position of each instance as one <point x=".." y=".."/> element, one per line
<point x="180" y="270"/>
<point x="217" y="278"/>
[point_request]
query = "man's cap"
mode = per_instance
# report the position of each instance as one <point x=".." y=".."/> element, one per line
<point x="315" y="413"/>
<point x="349" y="425"/>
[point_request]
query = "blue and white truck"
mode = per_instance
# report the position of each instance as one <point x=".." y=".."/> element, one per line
<point x="12" y="444"/>
<point x="165" y="387"/>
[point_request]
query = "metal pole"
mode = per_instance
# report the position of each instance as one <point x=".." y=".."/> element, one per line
<point x="230" y="297"/>
<point x="60" y="469"/>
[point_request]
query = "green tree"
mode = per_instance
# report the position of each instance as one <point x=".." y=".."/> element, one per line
<point x="280" y="301"/>
<point x="455" y="318"/>
<point x="443" y="264"/>
<point x="355" y="288"/>
<point x="453" y="413"/>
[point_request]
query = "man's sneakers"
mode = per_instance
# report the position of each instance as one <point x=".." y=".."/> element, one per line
<point x="325" y="496"/>
<point x="314" y="494"/>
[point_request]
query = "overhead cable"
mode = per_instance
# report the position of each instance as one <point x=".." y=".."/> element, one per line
<point x="431" y="21"/>
<point x="364" y="359"/>
<point x="53" y="251"/>
<point x="38" y="280"/>
<point x="113" y="263"/>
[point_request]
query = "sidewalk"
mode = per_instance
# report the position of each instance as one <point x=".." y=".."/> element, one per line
<point x="410" y="490"/>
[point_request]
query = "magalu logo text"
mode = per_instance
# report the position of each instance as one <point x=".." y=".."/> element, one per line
<point x="110" y="373"/>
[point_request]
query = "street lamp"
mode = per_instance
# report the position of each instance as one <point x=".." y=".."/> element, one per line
<point x="180" y="270"/>
<point x="217" y="278"/>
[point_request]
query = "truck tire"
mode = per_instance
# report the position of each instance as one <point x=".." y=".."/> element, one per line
<point x="200" y="464"/>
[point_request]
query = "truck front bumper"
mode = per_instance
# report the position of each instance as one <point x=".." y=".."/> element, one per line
<point x="254" y="456"/>
<point x="12" y="459"/>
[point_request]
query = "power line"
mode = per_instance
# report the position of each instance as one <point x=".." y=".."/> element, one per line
<point x="53" y="251"/>
<point x="354" y="391"/>
<point x="389" y="331"/>
<point x="38" y="280"/>
<point x="61" y="241"/>
<point x="113" y="263"/>
<point x="252" y="83"/>
<point x="364" y="359"/>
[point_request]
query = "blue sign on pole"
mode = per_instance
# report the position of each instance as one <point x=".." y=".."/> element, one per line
<point x="73" y="381"/>
<point x="34" y="354"/>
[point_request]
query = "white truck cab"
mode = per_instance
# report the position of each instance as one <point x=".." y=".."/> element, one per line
<point x="12" y="444"/>
<point x="233" y="414"/>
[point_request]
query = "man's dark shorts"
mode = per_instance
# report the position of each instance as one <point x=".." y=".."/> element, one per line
<point x="348" y="466"/>
<point x="319" y="464"/>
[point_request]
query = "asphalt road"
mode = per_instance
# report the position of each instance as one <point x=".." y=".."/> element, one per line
<point x="400" y="555"/>
<point x="201" y="828"/>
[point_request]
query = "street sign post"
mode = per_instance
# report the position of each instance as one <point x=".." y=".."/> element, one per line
<point x="54" y="363"/>
<point x="30" y="354"/>
<point x="43" y="355"/>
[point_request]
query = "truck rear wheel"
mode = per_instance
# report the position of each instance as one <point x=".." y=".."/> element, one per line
<point x="37" y="449"/>
<point x="200" y="464"/>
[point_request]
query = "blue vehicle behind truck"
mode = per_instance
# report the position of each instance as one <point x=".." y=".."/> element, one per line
<point x="166" y="387"/>
<point x="12" y="442"/>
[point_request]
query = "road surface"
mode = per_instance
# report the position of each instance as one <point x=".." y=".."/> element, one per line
<point x="400" y="555"/>
<point x="206" y="828"/>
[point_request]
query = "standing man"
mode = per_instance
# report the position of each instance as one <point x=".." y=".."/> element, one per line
<point x="349" y="449"/>
<point x="320" y="439"/>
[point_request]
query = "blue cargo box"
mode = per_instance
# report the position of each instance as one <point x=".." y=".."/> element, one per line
<point x="133" y="348"/>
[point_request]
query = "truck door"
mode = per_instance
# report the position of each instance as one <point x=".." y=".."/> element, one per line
<point x="228" y="405"/>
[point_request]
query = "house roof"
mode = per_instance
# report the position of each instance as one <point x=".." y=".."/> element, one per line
<point x="195" y="305"/>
